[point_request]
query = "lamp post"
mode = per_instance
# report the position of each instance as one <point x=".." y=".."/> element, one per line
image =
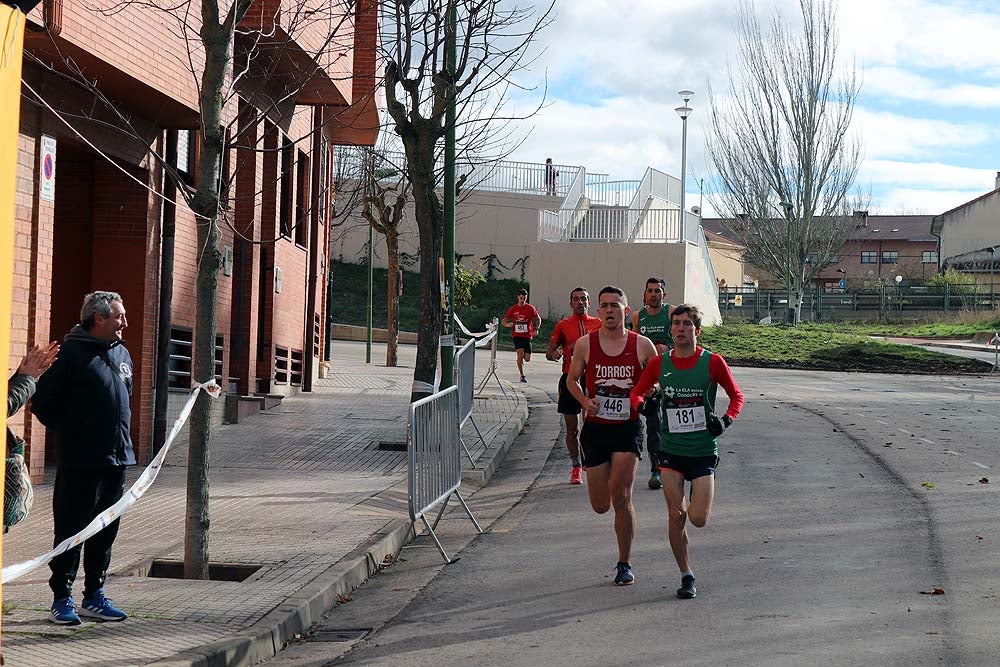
<point x="993" y="303"/>
<point x="684" y="112"/>
<point x="790" y="315"/>
<point x="899" y="293"/>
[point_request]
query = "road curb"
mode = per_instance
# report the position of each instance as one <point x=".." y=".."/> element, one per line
<point x="296" y="614"/>
<point x="496" y="454"/>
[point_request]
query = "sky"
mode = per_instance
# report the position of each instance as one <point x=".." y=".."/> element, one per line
<point x="925" y="117"/>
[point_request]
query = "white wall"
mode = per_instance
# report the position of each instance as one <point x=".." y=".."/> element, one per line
<point x="972" y="227"/>
<point x="557" y="268"/>
<point x="497" y="223"/>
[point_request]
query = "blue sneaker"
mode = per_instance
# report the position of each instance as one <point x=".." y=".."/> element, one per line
<point x="63" y="612"/>
<point x="624" y="576"/>
<point x="101" y="608"/>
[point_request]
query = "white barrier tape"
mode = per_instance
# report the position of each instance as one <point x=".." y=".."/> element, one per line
<point x="102" y="520"/>
<point x="482" y="339"/>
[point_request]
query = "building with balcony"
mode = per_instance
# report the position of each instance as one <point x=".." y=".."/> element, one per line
<point x="583" y="229"/>
<point x="106" y="95"/>
<point x="970" y="234"/>
<point x="880" y="248"/>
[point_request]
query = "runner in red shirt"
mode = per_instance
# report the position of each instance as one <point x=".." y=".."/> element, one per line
<point x="611" y="359"/>
<point x="564" y="337"/>
<point x="524" y="320"/>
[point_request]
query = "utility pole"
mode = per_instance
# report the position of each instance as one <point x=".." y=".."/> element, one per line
<point x="448" y="244"/>
<point x="790" y="314"/>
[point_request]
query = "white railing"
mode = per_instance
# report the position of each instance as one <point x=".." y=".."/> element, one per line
<point x="486" y="175"/>
<point x="614" y="225"/>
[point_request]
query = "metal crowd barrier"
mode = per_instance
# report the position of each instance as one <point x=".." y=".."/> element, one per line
<point x="435" y="459"/>
<point x="465" y="368"/>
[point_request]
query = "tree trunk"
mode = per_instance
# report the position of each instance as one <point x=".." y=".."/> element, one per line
<point x="392" y="308"/>
<point x="429" y="216"/>
<point x="218" y="41"/>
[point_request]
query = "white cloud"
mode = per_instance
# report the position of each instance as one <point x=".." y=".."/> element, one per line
<point x="930" y="175"/>
<point x="936" y="34"/>
<point x="902" y="84"/>
<point x="890" y="135"/>
<point x="916" y="201"/>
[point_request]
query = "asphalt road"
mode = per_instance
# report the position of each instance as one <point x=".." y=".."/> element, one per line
<point x="842" y="500"/>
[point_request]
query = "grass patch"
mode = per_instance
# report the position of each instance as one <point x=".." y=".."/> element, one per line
<point x="811" y="347"/>
<point x="962" y="328"/>
<point x="835" y="347"/>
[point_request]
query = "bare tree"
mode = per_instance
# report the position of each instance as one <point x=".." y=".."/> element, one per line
<point x="493" y="39"/>
<point x="372" y="186"/>
<point x="781" y="145"/>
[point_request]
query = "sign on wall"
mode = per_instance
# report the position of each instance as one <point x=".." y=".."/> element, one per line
<point x="47" y="169"/>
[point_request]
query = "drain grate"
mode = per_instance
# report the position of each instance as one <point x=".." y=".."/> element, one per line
<point x="339" y="635"/>
<point x="392" y="445"/>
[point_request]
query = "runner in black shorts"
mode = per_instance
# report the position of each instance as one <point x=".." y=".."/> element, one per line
<point x="564" y="336"/>
<point x="689" y="377"/>
<point x="611" y="360"/>
<point x="599" y="441"/>
<point x="523" y="320"/>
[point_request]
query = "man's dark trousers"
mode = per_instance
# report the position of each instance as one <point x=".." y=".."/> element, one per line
<point x="79" y="495"/>
<point x="653" y="435"/>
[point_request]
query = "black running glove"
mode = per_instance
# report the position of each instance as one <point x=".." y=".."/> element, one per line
<point x="650" y="405"/>
<point x="716" y="426"/>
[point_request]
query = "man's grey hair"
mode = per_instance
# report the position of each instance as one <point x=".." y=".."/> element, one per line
<point x="97" y="303"/>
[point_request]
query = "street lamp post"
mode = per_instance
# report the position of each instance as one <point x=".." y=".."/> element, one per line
<point x="684" y="112"/>
<point x="790" y="314"/>
<point x="993" y="303"/>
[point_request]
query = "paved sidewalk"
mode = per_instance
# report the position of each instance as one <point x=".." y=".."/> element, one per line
<point x="301" y="490"/>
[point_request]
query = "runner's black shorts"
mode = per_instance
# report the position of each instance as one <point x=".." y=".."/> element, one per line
<point x="598" y="441"/>
<point x="567" y="404"/>
<point x="691" y="467"/>
<point x="523" y="344"/>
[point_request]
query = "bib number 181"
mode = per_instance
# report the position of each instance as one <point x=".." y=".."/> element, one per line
<point x="686" y="420"/>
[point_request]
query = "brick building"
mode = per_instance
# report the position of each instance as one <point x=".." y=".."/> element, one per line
<point x="93" y="201"/>
<point x="880" y="248"/>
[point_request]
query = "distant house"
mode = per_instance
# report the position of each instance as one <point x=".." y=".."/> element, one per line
<point x="970" y="233"/>
<point x="881" y="247"/>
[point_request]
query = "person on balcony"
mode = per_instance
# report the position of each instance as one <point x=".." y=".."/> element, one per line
<point x="551" y="177"/>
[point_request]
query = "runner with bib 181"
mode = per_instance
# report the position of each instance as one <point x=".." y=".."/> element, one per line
<point x="688" y="378"/>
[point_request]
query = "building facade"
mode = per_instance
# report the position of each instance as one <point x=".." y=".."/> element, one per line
<point x="103" y="123"/>
<point x="880" y="248"/>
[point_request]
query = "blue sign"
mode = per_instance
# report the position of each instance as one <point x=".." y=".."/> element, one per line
<point x="843" y="283"/>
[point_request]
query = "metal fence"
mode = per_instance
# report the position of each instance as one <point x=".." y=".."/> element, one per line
<point x="435" y="459"/>
<point x="881" y="303"/>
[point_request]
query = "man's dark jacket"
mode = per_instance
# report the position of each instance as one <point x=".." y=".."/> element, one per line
<point x="84" y="398"/>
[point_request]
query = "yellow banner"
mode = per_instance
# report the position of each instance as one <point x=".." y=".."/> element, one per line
<point x="12" y="35"/>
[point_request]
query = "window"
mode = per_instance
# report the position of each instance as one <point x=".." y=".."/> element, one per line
<point x="184" y="162"/>
<point x="869" y="257"/>
<point x="285" y="207"/>
<point x="929" y="257"/>
<point x="812" y="258"/>
<point x="296" y="368"/>
<point x="302" y="200"/>
<point x="179" y="358"/>
<point x="281" y="365"/>
<point x="890" y="256"/>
